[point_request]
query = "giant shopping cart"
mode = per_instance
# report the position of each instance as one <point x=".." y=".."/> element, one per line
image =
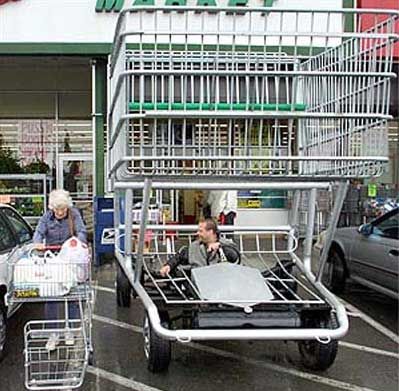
<point x="245" y="99"/>
<point x="45" y="276"/>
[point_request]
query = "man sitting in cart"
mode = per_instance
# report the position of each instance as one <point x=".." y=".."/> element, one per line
<point x="208" y="249"/>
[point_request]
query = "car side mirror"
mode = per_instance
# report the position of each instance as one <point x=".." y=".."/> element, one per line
<point x="366" y="229"/>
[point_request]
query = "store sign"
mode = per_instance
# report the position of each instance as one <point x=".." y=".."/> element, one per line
<point x="6" y="1"/>
<point x="117" y="5"/>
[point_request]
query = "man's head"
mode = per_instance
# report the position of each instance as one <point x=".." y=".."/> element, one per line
<point x="207" y="231"/>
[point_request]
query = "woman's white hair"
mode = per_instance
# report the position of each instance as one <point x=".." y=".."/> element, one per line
<point x="59" y="199"/>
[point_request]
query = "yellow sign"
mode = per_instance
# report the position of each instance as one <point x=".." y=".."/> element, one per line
<point x="25" y="293"/>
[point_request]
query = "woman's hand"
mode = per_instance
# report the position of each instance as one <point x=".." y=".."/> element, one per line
<point x="39" y="246"/>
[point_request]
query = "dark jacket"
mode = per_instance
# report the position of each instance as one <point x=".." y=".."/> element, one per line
<point x="197" y="255"/>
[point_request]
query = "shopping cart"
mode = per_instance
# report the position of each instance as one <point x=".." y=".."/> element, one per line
<point x="245" y="99"/>
<point x="41" y="276"/>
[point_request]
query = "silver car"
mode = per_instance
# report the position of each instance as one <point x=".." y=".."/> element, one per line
<point x="368" y="255"/>
<point x="14" y="232"/>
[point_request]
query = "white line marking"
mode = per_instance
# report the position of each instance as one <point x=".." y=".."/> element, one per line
<point x="368" y="349"/>
<point x="104" y="289"/>
<point x="122" y="381"/>
<point x="374" y="324"/>
<point x="353" y="314"/>
<point x="248" y="360"/>
<point x="117" y="323"/>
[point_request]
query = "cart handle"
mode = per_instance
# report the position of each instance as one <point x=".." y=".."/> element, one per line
<point x="48" y="247"/>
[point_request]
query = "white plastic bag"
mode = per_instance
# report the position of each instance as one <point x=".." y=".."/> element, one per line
<point x="76" y="253"/>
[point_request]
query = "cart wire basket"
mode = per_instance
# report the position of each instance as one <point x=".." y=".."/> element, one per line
<point x="250" y="92"/>
<point x="243" y="98"/>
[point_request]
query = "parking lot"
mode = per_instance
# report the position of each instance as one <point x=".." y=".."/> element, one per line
<point x="367" y="358"/>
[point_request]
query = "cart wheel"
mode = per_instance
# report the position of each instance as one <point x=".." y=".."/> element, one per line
<point x="3" y="329"/>
<point x="314" y="354"/>
<point x="157" y="350"/>
<point x="91" y="359"/>
<point x="123" y="289"/>
<point x="335" y="272"/>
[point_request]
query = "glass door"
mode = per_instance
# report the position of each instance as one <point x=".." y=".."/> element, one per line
<point x="75" y="174"/>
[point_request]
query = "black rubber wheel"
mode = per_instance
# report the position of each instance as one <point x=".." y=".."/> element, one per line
<point x="91" y="359"/>
<point x="3" y="330"/>
<point x="123" y="289"/>
<point x="157" y="349"/>
<point x="314" y="354"/>
<point x="334" y="275"/>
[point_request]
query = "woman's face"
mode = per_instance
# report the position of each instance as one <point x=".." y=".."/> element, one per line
<point x="60" y="213"/>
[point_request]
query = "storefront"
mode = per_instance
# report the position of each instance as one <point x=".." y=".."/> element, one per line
<point x="53" y="99"/>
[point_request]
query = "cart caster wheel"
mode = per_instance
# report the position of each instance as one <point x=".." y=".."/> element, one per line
<point x="314" y="354"/>
<point x="91" y="359"/>
<point x="123" y="289"/>
<point x="157" y="350"/>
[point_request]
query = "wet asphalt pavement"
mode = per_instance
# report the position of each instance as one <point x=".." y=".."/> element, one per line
<point x="367" y="358"/>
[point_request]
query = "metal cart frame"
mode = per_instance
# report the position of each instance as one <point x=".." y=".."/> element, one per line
<point x="49" y="279"/>
<point x="245" y="98"/>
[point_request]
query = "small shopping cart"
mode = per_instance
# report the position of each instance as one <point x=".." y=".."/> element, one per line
<point x="40" y="276"/>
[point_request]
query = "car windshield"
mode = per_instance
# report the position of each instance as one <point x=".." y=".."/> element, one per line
<point x="6" y="239"/>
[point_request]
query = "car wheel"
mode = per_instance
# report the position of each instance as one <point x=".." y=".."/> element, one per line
<point x="335" y="272"/>
<point x="316" y="355"/>
<point x="157" y="349"/>
<point x="123" y="289"/>
<point x="3" y="329"/>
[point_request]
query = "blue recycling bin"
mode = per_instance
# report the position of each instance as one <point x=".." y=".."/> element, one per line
<point x="103" y="227"/>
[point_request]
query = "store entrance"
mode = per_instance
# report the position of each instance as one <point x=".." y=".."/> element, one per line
<point x="75" y="174"/>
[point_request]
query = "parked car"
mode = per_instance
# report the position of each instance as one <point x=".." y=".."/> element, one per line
<point x="14" y="232"/>
<point x="368" y="254"/>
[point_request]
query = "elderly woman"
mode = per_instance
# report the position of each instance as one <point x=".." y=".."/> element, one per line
<point x="57" y="225"/>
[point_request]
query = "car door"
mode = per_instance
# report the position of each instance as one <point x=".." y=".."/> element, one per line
<point x="377" y="255"/>
<point x="7" y="243"/>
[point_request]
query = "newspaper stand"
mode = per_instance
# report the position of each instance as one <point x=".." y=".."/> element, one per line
<point x="39" y="277"/>
<point x="243" y="99"/>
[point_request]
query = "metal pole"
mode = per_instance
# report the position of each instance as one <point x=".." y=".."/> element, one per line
<point x="341" y="194"/>
<point x="143" y="225"/>
<point x="309" y="230"/>
<point x="128" y="227"/>
<point x="294" y="216"/>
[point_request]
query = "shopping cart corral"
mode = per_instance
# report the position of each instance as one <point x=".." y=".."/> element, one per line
<point x="40" y="276"/>
<point x="244" y="99"/>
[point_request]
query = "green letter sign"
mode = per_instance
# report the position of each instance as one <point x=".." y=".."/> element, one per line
<point x="117" y="5"/>
<point x="109" y="5"/>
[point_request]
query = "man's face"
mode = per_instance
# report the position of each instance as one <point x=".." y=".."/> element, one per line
<point x="60" y="213"/>
<point x="205" y="235"/>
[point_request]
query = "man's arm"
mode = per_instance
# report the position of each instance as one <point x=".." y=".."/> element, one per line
<point x="231" y="252"/>
<point x="180" y="258"/>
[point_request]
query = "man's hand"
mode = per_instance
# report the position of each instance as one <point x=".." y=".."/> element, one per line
<point x="39" y="246"/>
<point x="164" y="270"/>
<point x="213" y="247"/>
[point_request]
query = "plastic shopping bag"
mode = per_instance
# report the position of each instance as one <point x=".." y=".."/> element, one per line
<point x="76" y="253"/>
